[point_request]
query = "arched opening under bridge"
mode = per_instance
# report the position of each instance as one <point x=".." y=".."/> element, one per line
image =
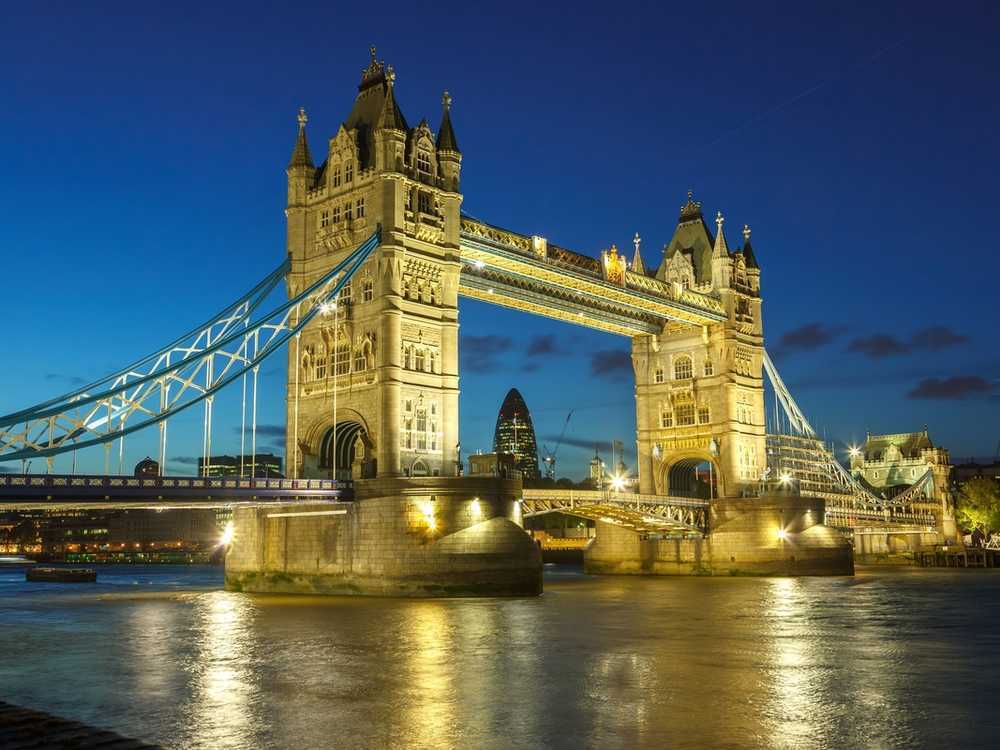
<point x="696" y="477"/>
<point x="345" y="452"/>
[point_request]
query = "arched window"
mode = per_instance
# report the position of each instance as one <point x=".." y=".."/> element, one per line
<point x="419" y="360"/>
<point x="685" y="415"/>
<point x="369" y="290"/>
<point x="321" y="364"/>
<point x="424" y="163"/>
<point x="345" y="294"/>
<point x="683" y="369"/>
<point x="408" y="358"/>
<point x="343" y="360"/>
<point x="421" y="429"/>
<point x="703" y="415"/>
<point x="709" y="367"/>
<point x="359" y="359"/>
<point x="658" y="376"/>
<point x="349" y="171"/>
<point x="433" y="361"/>
<point x="666" y="417"/>
<point x="336" y="176"/>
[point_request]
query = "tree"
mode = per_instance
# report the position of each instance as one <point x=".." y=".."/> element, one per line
<point x="979" y="505"/>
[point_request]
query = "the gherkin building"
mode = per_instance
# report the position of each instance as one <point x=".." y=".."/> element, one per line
<point x="515" y="434"/>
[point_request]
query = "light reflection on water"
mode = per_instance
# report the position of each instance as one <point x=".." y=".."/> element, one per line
<point x="891" y="659"/>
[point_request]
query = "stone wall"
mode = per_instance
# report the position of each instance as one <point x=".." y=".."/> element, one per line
<point x="743" y="540"/>
<point x="401" y="537"/>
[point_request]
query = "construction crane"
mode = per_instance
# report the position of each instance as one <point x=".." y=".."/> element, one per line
<point x="550" y="455"/>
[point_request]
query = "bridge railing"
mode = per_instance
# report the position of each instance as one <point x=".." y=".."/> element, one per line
<point x="67" y="481"/>
<point x="597" y="496"/>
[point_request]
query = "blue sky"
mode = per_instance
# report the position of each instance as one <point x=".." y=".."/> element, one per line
<point x="142" y="156"/>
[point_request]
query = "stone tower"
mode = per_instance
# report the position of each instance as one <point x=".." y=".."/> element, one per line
<point x="373" y="384"/>
<point x="700" y="390"/>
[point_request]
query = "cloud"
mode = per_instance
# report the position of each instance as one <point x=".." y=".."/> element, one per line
<point x="530" y="367"/>
<point x="186" y="460"/>
<point x="610" y="363"/>
<point x="265" y="430"/>
<point x="603" y="444"/>
<point x="955" y="387"/>
<point x="479" y="352"/>
<point x="936" y="337"/>
<point x="542" y="345"/>
<point x="808" y="337"/>
<point x="878" y="345"/>
<point x="69" y="379"/>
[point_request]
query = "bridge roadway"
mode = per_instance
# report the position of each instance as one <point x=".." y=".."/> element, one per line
<point x="32" y="491"/>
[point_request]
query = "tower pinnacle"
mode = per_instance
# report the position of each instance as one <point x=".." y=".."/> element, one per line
<point x="446" y="140"/>
<point x="637" y="265"/>
<point x="300" y="154"/>
<point x="721" y="249"/>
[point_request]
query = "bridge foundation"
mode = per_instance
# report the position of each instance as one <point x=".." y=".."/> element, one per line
<point x="773" y="535"/>
<point x="432" y="536"/>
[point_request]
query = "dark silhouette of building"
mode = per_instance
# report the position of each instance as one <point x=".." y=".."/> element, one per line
<point x="515" y="434"/>
<point x="264" y="465"/>
<point x="147" y="467"/>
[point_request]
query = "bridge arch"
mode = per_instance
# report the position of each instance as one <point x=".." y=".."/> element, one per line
<point x="689" y="475"/>
<point x="339" y="448"/>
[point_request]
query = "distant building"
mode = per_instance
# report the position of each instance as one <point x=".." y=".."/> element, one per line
<point x="515" y="434"/>
<point x="147" y="467"/>
<point x="963" y="472"/>
<point x="491" y="464"/>
<point x="891" y="463"/>
<point x="263" y="465"/>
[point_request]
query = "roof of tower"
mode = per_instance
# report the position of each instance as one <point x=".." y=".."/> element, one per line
<point x="300" y="154"/>
<point x="374" y="105"/>
<point x="446" y="140"/>
<point x="908" y="443"/>
<point x="748" y="254"/>
<point x="692" y="236"/>
<point x="391" y="116"/>
<point x="721" y="249"/>
<point x="637" y="264"/>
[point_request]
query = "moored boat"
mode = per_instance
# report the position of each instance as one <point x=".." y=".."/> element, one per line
<point x="61" y="575"/>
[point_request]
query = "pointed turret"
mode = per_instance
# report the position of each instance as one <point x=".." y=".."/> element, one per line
<point x="446" y="140"/>
<point x="693" y="239"/>
<point x="748" y="256"/>
<point x="300" y="154"/>
<point x="391" y="116"/>
<point x="637" y="265"/>
<point x="721" y="249"/>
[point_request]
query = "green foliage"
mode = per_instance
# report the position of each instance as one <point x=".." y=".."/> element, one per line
<point x="979" y="505"/>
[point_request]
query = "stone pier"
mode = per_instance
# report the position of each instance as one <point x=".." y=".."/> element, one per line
<point x="774" y="535"/>
<point x="431" y="536"/>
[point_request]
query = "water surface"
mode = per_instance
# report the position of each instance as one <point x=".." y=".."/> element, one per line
<point x="894" y="659"/>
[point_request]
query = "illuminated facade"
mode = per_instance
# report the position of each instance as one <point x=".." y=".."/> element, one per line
<point x="515" y="435"/>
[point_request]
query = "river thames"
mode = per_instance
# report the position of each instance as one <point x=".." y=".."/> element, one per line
<point x="890" y="659"/>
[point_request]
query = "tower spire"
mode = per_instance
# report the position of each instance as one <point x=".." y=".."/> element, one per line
<point x="748" y="255"/>
<point x="446" y="140"/>
<point x="721" y="249"/>
<point x="300" y="154"/>
<point x="637" y="265"/>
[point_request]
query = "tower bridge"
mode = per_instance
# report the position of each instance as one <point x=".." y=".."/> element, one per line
<point x="378" y="254"/>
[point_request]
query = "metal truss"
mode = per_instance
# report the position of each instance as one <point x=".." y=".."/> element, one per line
<point x="188" y="371"/>
<point x="648" y="514"/>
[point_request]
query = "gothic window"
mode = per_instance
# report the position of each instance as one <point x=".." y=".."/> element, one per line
<point x="324" y="218"/>
<point x="433" y="363"/>
<point x="345" y="294"/>
<point x="658" y="377"/>
<point x="685" y="415"/>
<point x="709" y="367"/>
<point x="703" y="416"/>
<point x="432" y="293"/>
<point x="408" y="365"/>
<point x="419" y="360"/>
<point x="683" y="369"/>
<point x="347" y="211"/>
<point x="434" y="436"/>
<point x="360" y="213"/>
<point x="369" y="290"/>
<point x="424" y="203"/>
<point x="336" y="214"/>
<point x="666" y="418"/>
<point x="336" y="177"/>
<point x="409" y="405"/>
<point x="348" y="171"/>
<point x="359" y="359"/>
<point x="424" y="163"/>
<point x="434" y="409"/>
<point x="408" y="433"/>
<point x="306" y="365"/>
<point x="343" y="362"/>
<point x="321" y="365"/>
<point x="409" y="200"/>
<point x="421" y="429"/>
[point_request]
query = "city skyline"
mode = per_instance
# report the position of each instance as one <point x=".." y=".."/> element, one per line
<point x="866" y="334"/>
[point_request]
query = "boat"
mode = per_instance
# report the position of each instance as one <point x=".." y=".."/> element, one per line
<point x="61" y="575"/>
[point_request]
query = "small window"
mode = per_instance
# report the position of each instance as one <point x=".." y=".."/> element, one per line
<point x="424" y="163"/>
<point x="359" y="359"/>
<point x="408" y="365"/>
<point x="336" y="214"/>
<point x="666" y="419"/>
<point x="321" y="367"/>
<point x="409" y="405"/>
<point x="345" y="294"/>
<point x="343" y="359"/>
<point x="348" y="171"/>
<point x="658" y="377"/>
<point x="683" y="369"/>
<point x="424" y="203"/>
<point x="336" y="177"/>
<point x="703" y="415"/>
<point x="709" y="367"/>
<point x="347" y="211"/>
<point x="419" y="360"/>
<point x="360" y="212"/>
<point x="369" y="290"/>
<point x="324" y="219"/>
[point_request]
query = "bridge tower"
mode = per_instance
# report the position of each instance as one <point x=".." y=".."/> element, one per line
<point x="373" y="384"/>
<point x="700" y="390"/>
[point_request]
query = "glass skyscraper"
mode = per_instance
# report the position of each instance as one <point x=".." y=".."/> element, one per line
<point x="515" y="435"/>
